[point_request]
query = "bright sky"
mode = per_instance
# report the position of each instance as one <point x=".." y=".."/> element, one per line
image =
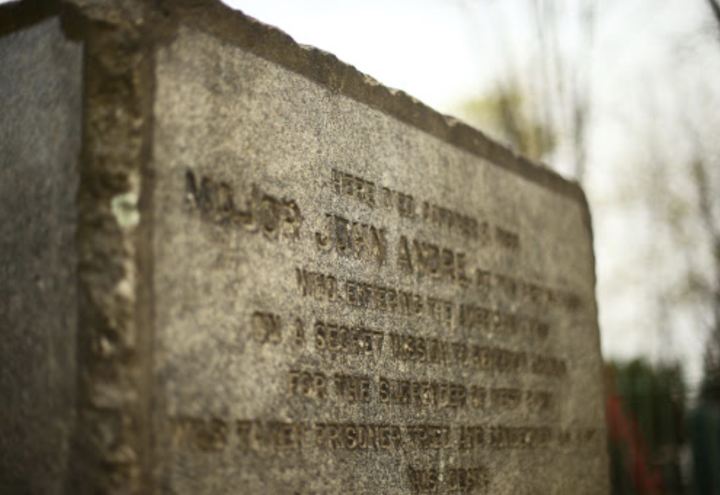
<point x="443" y="50"/>
<point x="422" y="46"/>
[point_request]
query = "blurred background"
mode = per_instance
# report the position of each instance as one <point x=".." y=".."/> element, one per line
<point x="624" y="97"/>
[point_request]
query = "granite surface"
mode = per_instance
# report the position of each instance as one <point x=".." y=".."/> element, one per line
<point x="235" y="264"/>
<point x="40" y="97"/>
<point x="348" y="304"/>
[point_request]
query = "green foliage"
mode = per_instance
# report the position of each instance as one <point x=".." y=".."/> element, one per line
<point x="710" y="386"/>
<point x="653" y="398"/>
<point x="503" y="112"/>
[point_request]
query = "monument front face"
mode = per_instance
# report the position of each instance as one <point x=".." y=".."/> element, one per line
<point x="348" y="304"/>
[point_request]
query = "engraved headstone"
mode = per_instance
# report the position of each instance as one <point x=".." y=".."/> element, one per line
<point x="234" y="264"/>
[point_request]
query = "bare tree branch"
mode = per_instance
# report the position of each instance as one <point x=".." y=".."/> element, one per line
<point x="715" y="7"/>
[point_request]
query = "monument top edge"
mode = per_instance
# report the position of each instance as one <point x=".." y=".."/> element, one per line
<point x="270" y="43"/>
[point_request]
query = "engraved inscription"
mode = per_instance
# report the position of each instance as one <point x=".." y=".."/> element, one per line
<point x="436" y="395"/>
<point x="350" y="436"/>
<point x="353" y="239"/>
<point x="266" y="327"/>
<point x="337" y="338"/>
<point x="262" y="212"/>
<point x="426" y="258"/>
<point x="354" y="187"/>
<point x="309" y="384"/>
<point x="218" y="434"/>
<point x="358" y="294"/>
<point x="415" y="394"/>
<point x="507" y="318"/>
<point x="345" y="304"/>
<point x="448" y="479"/>
<point x="352" y="388"/>
<point x="406" y="205"/>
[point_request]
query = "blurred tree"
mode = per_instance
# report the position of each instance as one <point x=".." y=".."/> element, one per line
<point x="503" y="114"/>
<point x="684" y="196"/>
<point x="704" y="422"/>
<point x="681" y="191"/>
<point x="715" y="8"/>
<point x="704" y="430"/>
<point x="645" y="410"/>
<point x="708" y="205"/>
<point x="542" y="106"/>
<point x="708" y="193"/>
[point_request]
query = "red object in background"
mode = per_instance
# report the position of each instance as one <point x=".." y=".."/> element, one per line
<point x="623" y="431"/>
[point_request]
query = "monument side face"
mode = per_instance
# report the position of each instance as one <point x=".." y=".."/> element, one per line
<point x="348" y="304"/>
<point x="40" y="97"/>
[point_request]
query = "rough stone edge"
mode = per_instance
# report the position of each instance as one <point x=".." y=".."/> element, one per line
<point x="113" y="438"/>
<point x="111" y="449"/>
<point x="272" y="44"/>
<point x="17" y="15"/>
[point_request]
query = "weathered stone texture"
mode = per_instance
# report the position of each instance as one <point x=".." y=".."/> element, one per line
<point x="265" y="178"/>
<point x="40" y="98"/>
<point x="293" y="280"/>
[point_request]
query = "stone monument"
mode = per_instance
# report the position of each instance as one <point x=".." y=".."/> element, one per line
<point x="233" y="264"/>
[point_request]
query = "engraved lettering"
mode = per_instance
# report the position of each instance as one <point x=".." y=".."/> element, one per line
<point x="351" y="436"/>
<point x="266" y="327"/>
<point x="429" y="259"/>
<point x="362" y="190"/>
<point x="275" y="218"/>
<point x="205" y="435"/>
<point x="353" y="239"/>
<point x="307" y="383"/>
<point x="352" y="388"/>
<point x="335" y="338"/>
